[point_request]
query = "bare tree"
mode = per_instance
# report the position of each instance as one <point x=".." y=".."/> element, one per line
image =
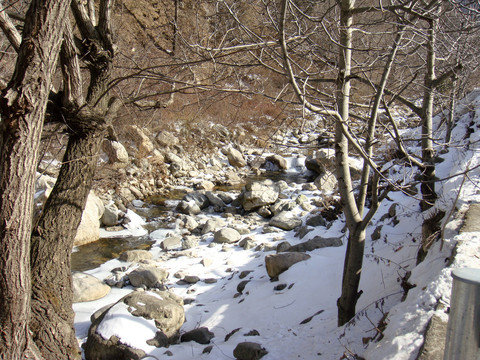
<point x="22" y="109"/>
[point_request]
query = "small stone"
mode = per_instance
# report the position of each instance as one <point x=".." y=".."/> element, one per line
<point x="249" y="351"/>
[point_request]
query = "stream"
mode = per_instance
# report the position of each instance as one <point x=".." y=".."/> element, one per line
<point x="156" y="212"/>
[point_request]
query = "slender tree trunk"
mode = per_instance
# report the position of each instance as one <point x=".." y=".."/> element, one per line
<point x="351" y="275"/>
<point x="356" y="239"/>
<point x="428" y="176"/>
<point x="22" y="108"/>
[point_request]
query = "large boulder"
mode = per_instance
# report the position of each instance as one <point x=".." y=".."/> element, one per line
<point x="317" y="242"/>
<point x="117" y="155"/>
<point x="154" y="317"/>
<point x="327" y="182"/>
<point x="278" y="263"/>
<point x="89" y="229"/>
<point x="258" y="194"/>
<point x="226" y="235"/>
<point x="148" y="276"/>
<point x="286" y="221"/>
<point x="235" y="157"/>
<point x="88" y="288"/>
<point x="143" y="143"/>
<point x="110" y="215"/>
<point x="277" y="162"/>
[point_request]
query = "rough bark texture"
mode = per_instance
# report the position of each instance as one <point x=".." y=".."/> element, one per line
<point x="52" y="314"/>
<point x="22" y="107"/>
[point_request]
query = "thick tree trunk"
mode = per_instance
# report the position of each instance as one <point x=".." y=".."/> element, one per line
<point x="22" y="107"/>
<point x="52" y="317"/>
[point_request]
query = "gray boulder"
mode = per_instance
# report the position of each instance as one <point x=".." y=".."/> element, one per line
<point x="200" y="335"/>
<point x="148" y="276"/>
<point x="326" y="182"/>
<point x="226" y="235"/>
<point x="88" y="288"/>
<point x="278" y="263"/>
<point x="212" y="225"/>
<point x="317" y="242"/>
<point x="258" y="194"/>
<point x="160" y="312"/>
<point x="171" y="243"/>
<point x="188" y="208"/>
<point x="285" y="220"/>
<point x="199" y="198"/>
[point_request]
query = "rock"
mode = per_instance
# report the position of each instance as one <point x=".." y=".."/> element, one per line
<point x="135" y="255"/>
<point x="188" y="208"/>
<point x="148" y="276"/>
<point x="317" y="242"/>
<point x="145" y="313"/>
<point x="200" y="335"/>
<point x="116" y="153"/>
<point x="143" y="143"/>
<point x="89" y="229"/>
<point x="302" y="231"/>
<point x="166" y="139"/>
<point x="88" y="288"/>
<point x="285" y="220"/>
<point x="189" y="242"/>
<point x="377" y="233"/>
<point x="258" y="194"/>
<point x="110" y="215"/>
<point x="284" y="246"/>
<point x="191" y="279"/>
<point x="315" y="164"/>
<point x="282" y="205"/>
<point x="247" y="243"/>
<point x="241" y="286"/>
<point x="249" y="351"/>
<point x="215" y="201"/>
<point x="235" y="157"/>
<point x="171" y="243"/>
<point x="326" y="182"/>
<point x="278" y="162"/>
<point x="226" y="235"/>
<point x="212" y="225"/>
<point x="199" y="198"/>
<point x="278" y="263"/>
<point x="188" y="222"/>
<point x="309" y="187"/>
<point x="264" y="212"/>
<point x="316" y="220"/>
<point x="206" y="185"/>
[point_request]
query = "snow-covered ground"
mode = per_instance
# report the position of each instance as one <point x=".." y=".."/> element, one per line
<point x="313" y="286"/>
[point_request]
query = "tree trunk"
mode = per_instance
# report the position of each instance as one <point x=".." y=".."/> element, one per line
<point x="356" y="241"/>
<point x="53" y="317"/>
<point x="428" y="176"/>
<point x="22" y="107"/>
<point x="352" y="271"/>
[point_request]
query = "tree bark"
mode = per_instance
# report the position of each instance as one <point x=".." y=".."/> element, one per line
<point x="53" y="317"/>
<point x="351" y="275"/>
<point x="22" y="107"/>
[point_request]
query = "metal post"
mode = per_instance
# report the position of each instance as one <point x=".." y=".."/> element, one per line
<point x="463" y="330"/>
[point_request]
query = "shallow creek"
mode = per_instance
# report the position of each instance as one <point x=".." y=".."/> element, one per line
<point x="156" y="212"/>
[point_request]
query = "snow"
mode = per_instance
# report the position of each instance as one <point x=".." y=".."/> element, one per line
<point x="313" y="286"/>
